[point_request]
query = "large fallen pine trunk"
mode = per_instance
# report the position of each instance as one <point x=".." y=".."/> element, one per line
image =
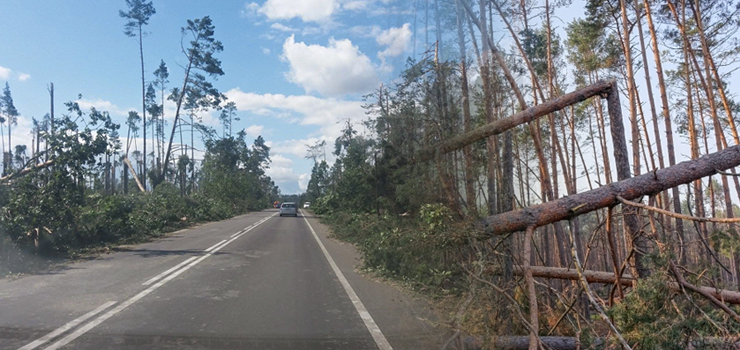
<point x="26" y="171"/>
<point x="133" y="173"/>
<point x="727" y="296"/>
<point x="515" y="342"/>
<point x="525" y="116"/>
<point x="582" y="203"/>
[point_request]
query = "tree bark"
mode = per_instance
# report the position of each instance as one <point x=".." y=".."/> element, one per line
<point x="491" y="149"/>
<point x="667" y="118"/>
<point x="728" y="296"/>
<point x="527" y="115"/>
<point x="133" y="173"/>
<point x="143" y="99"/>
<point x="513" y="342"/>
<point x="631" y="188"/>
<point x="470" y="196"/>
<point x="26" y="171"/>
<point x="630" y="88"/>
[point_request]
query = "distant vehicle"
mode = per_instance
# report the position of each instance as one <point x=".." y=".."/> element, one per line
<point x="306" y="205"/>
<point x="276" y="204"/>
<point x="289" y="208"/>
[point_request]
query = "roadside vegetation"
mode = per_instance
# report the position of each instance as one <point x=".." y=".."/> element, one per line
<point x="75" y="188"/>
<point x="415" y="212"/>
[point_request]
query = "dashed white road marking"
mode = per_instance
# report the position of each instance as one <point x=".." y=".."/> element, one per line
<point x="100" y="319"/>
<point x="378" y="336"/>
<point x="71" y="324"/>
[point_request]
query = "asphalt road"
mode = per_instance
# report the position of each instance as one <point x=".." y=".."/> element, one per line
<point x="257" y="281"/>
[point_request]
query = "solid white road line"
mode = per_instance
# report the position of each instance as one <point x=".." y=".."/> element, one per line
<point x="214" y="246"/>
<point x="34" y="344"/>
<point x="157" y="277"/>
<point x="378" y="336"/>
<point x="218" y="246"/>
<point x="86" y="328"/>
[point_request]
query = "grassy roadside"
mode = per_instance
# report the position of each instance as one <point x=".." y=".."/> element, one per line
<point x="418" y="255"/>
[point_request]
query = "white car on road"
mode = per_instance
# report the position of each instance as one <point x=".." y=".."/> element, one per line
<point x="289" y="208"/>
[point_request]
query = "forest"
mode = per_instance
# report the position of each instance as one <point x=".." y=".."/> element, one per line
<point x="83" y="185"/>
<point x="554" y="184"/>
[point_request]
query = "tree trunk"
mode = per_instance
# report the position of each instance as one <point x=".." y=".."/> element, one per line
<point x="500" y="126"/>
<point x="470" y="173"/>
<point x="488" y="108"/>
<point x="175" y="121"/>
<point x="630" y="188"/>
<point x="133" y="173"/>
<point x="143" y="100"/>
<point x="630" y="88"/>
<point x="667" y="118"/>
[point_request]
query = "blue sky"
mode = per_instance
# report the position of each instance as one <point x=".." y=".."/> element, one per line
<point x="296" y="69"/>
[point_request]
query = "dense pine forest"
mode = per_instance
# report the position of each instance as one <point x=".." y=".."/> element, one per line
<point x="453" y="151"/>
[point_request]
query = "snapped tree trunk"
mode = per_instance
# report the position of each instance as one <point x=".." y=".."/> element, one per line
<point x="133" y="173"/>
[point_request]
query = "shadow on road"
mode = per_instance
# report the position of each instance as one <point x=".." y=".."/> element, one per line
<point x="148" y="253"/>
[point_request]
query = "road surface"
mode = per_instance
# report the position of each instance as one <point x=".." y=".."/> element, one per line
<point x="258" y="281"/>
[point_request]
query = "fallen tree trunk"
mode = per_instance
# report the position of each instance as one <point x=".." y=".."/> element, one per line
<point x="571" y="274"/>
<point x="26" y="171"/>
<point x="569" y="343"/>
<point x="582" y="203"/>
<point x="502" y="125"/>
<point x="727" y="296"/>
<point x="133" y="172"/>
<point x="513" y="342"/>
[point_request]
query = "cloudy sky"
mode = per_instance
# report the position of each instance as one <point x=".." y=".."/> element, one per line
<point x="297" y="69"/>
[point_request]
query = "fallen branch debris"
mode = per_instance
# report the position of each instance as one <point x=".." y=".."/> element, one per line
<point x="677" y="215"/>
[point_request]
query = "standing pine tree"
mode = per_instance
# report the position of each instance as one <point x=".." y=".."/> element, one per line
<point x="11" y="117"/>
<point x="162" y="74"/>
<point x="138" y="15"/>
<point x="227" y="117"/>
<point x="200" y="62"/>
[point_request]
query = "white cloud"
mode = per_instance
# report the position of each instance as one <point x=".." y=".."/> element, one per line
<point x="306" y="10"/>
<point x="281" y="27"/>
<point x="333" y="70"/>
<point x="24" y="77"/>
<point x="309" y="31"/>
<point x="365" y="31"/>
<point x="328" y="114"/>
<point x="297" y="148"/>
<point x="22" y="134"/>
<point x="5" y="73"/>
<point x="396" y="41"/>
<point x="303" y="181"/>
<point x="266" y="51"/>
<point x="313" y="110"/>
<point x="281" y="171"/>
<point x="250" y="8"/>
<point x="254" y="130"/>
<point x="356" y="5"/>
<point x="101" y="105"/>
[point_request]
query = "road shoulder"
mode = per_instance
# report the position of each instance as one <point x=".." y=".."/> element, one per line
<point x="406" y="319"/>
